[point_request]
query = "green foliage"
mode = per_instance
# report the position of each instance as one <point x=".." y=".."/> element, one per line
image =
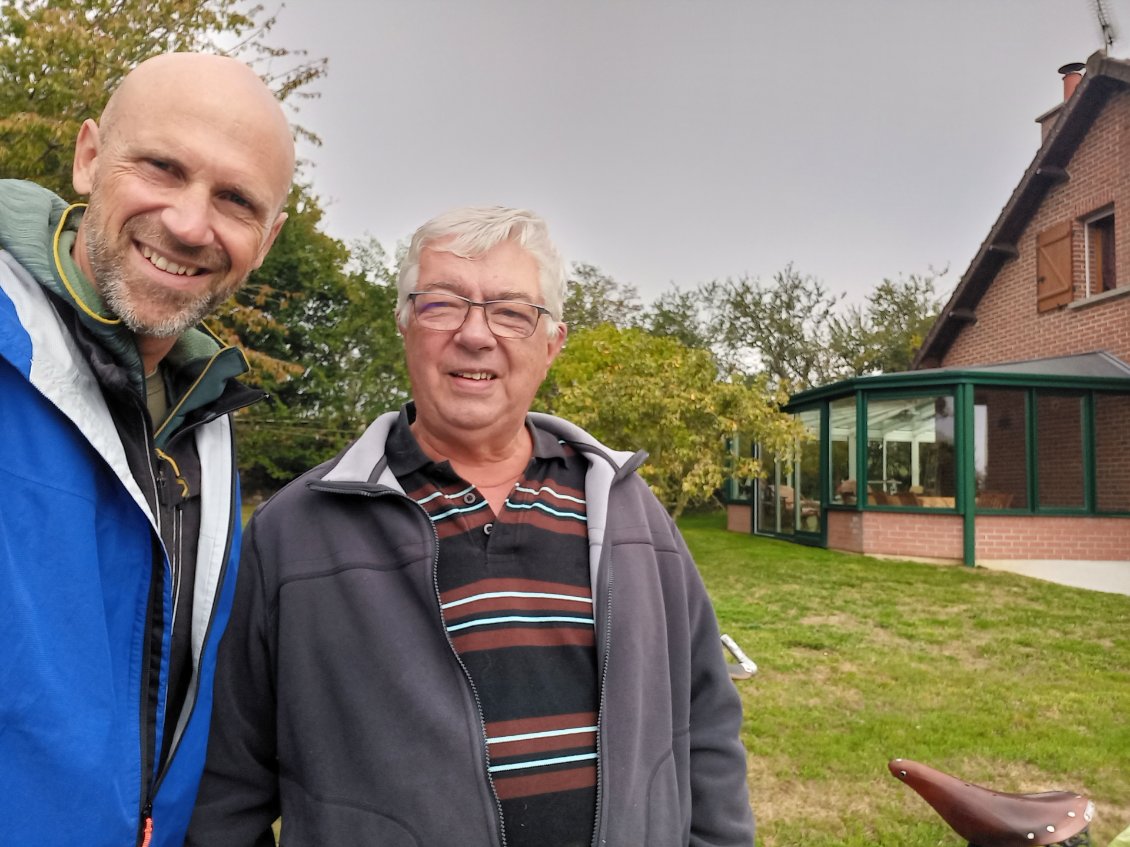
<point x="796" y="332"/>
<point x="682" y="315"/>
<point x="632" y="389"/>
<point x="779" y="329"/>
<point x="1009" y="682"/>
<point x="885" y="336"/>
<point x="593" y="298"/>
<point x="318" y="326"/>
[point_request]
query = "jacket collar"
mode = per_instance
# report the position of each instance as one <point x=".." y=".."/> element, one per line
<point x="366" y="462"/>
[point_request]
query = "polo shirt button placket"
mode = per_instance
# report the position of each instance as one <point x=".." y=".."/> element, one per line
<point x="469" y="498"/>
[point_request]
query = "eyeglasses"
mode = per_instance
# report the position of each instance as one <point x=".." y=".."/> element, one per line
<point x="443" y="312"/>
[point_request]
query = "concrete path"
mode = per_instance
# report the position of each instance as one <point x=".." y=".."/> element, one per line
<point x="1112" y="577"/>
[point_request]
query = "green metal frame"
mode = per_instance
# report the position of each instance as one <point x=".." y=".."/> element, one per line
<point x="962" y="386"/>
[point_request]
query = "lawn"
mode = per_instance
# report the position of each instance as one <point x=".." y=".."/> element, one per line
<point x="1005" y="681"/>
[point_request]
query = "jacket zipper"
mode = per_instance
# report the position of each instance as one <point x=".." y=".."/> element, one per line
<point x="603" y="685"/>
<point x="222" y="577"/>
<point x="147" y="831"/>
<point x="150" y="722"/>
<point x="467" y="674"/>
<point x="158" y="773"/>
<point x="388" y="492"/>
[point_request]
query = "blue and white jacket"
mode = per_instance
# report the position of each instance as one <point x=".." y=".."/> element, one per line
<point x="85" y="600"/>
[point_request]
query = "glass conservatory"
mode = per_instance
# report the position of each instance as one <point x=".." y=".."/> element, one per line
<point x="1017" y="461"/>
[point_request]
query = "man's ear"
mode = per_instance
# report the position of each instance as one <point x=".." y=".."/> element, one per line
<point x="86" y="157"/>
<point x="556" y="343"/>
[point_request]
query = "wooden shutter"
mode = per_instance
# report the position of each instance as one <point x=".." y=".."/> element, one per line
<point x="1054" y="262"/>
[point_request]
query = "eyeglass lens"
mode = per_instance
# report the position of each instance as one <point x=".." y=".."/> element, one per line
<point x="505" y="318"/>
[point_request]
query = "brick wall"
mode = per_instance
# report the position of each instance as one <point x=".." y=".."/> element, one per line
<point x="845" y="531"/>
<point x="1112" y="452"/>
<point x="999" y="537"/>
<point x="1006" y="468"/>
<point x="896" y="534"/>
<point x="1040" y="537"/>
<point x="739" y="518"/>
<point x="1008" y="327"/>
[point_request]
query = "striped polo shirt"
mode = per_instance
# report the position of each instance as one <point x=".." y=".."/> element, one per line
<point x="517" y="604"/>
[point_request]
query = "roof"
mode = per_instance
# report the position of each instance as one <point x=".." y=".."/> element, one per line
<point x="1104" y="77"/>
<point x="1100" y="365"/>
<point x="1082" y="371"/>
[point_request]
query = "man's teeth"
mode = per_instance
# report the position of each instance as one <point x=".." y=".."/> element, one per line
<point x="165" y="265"/>
<point x="473" y="375"/>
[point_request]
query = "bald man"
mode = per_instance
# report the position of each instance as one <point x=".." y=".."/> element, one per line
<point x="119" y="506"/>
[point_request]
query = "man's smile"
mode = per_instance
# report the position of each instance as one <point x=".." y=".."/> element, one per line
<point x="477" y="375"/>
<point x="166" y="264"/>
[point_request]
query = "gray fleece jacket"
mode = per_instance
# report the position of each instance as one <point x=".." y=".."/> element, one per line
<point x="340" y="702"/>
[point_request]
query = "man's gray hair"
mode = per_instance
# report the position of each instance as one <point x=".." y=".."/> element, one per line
<point x="472" y="231"/>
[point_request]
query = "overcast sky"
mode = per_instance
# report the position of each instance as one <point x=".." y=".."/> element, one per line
<point x="678" y="141"/>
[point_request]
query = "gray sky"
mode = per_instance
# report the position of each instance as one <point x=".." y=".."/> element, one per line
<point x="687" y="140"/>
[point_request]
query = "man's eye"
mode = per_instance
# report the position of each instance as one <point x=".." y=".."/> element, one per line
<point x="159" y="164"/>
<point x="237" y="199"/>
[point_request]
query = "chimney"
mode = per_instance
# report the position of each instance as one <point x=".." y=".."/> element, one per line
<point x="1072" y="75"/>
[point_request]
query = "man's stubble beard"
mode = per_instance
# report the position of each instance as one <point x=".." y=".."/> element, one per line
<point x="178" y="310"/>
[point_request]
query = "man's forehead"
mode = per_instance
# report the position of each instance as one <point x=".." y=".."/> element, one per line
<point x="507" y="267"/>
<point x="448" y="249"/>
<point x="238" y="164"/>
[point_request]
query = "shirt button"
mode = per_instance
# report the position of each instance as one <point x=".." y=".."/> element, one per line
<point x="468" y="497"/>
<point x="487" y="528"/>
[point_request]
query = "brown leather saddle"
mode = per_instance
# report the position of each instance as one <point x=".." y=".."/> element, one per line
<point x="987" y="818"/>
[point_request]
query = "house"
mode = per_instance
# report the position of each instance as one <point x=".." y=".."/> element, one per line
<point x="1009" y="441"/>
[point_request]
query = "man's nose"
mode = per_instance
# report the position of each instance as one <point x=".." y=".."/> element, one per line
<point x="189" y="217"/>
<point x="475" y="332"/>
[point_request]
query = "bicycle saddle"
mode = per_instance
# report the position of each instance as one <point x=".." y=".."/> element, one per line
<point x="987" y="818"/>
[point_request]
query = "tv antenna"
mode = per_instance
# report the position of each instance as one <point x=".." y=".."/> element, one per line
<point x="1106" y="22"/>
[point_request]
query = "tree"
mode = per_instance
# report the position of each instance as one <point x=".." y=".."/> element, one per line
<point x="781" y="329"/>
<point x="632" y="389"/>
<point x="60" y="59"/>
<point x="885" y="336"/>
<point x="682" y="315"/>
<point x="319" y="329"/>
<point x="592" y="298"/>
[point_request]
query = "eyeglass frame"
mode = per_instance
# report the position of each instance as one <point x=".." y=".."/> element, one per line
<point x="541" y="310"/>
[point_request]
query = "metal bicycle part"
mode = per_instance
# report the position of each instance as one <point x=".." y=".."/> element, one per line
<point x="745" y="666"/>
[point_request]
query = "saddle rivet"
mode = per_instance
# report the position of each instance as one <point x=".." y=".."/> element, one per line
<point x="1051" y="828"/>
<point x="1031" y="835"/>
<point x="902" y="773"/>
<point x="1071" y="814"/>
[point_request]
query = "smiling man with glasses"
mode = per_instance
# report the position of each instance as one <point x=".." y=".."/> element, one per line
<point x="476" y="626"/>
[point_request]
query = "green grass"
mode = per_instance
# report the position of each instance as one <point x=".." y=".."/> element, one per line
<point x="1009" y="682"/>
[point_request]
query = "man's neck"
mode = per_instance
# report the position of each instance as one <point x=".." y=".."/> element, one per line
<point x="152" y="350"/>
<point x="477" y="461"/>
